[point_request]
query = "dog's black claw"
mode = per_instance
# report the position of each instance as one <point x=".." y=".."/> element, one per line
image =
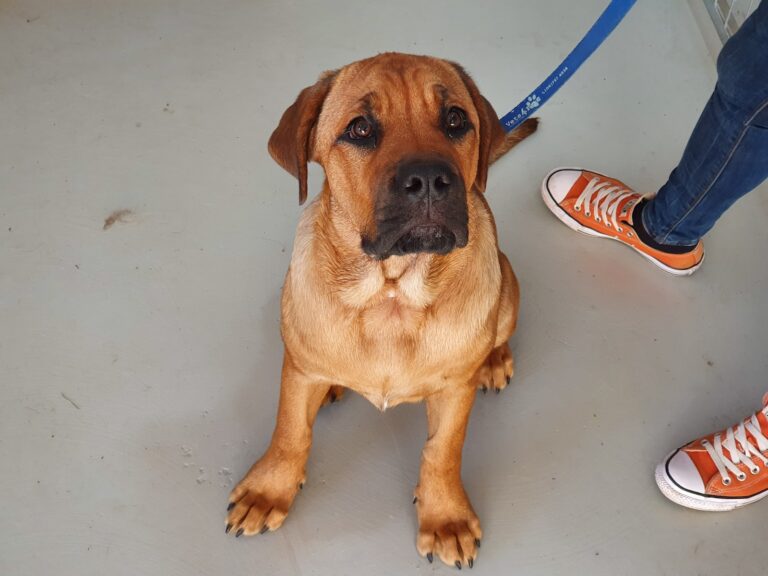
<point x="301" y="486"/>
<point x="263" y="529"/>
<point x="477" y="542"/>
<point x="498" y="390"/>
<point x="485" y="389"/>
<point x="429" y="557"/>
<point x="415" y="499"/>
<point x="471" y="562"/>
<point x="239" y="533"/>
<point x="230" y="506"/>
<point x="457" y="564"/>
<point x="333" y="398"/>
<point x="228" y="528"/>
<point x="508" y="380"/>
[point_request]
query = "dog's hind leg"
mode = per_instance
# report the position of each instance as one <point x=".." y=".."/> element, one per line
<point x="334" y="395"/>
<point x="498" y="368"/>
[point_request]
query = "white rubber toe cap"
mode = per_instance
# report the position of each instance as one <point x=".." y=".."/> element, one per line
<point x="560" y="181"/>
<point x="684" y="473"/>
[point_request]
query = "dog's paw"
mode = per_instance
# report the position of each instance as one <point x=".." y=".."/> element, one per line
<point x="451" y="532"/>
<point x="260" y="502"/>
<point x="496" y="371"/>
<point x="334" y="395"/>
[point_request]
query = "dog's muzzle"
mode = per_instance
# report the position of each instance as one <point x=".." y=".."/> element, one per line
<point x="423" y="208"/>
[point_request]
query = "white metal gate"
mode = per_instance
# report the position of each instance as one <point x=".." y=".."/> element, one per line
<point x="729" y="15"/>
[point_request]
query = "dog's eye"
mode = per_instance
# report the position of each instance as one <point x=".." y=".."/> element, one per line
<point x="361" y="132"/>
<point x="359" y="129"/>
<point x="456" y="123"/>
<point x="455" y="119"/>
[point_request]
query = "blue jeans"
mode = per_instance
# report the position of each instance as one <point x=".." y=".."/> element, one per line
<point x="727" y="154"/>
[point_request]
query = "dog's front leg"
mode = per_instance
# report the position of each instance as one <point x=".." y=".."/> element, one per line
<point x="261" y="500"/>
<point x="447" y="524"/>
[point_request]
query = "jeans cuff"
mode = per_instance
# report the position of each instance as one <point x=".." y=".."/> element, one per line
<point x="663" y="239"/>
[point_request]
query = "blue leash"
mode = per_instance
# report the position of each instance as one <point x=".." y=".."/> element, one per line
<point x="600" y="30"/>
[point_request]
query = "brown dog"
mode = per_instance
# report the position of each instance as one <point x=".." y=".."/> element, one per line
<point x="396" y="288"/>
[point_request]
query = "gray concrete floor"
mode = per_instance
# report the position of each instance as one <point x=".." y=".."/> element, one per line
<point x="140" y="364"/>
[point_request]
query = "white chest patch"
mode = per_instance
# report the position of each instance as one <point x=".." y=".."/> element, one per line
<point x="381" y="401"/>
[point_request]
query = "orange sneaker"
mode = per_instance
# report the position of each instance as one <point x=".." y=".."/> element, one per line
<point x="721" y="471"/>
<point x="601" y="206"/>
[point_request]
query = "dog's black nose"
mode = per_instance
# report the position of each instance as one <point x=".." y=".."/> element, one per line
<point x="420" y="179"/>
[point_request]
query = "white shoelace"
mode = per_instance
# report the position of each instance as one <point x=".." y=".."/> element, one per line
<point x="740" y="448"/>
<point x="603" y="198"/>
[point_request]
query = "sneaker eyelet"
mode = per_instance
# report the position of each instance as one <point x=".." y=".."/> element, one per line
<point x="755" y="470"/>
<point x="597" y="219"/>
<point x="620" y="229"/>
<point x="588" y="213"/>
<point x="577" y="208"/>
<point x="630" y="234"/>
<point x="726" y="481"/>
<point x="741" y="477"/>
<point x="608" y="224"/>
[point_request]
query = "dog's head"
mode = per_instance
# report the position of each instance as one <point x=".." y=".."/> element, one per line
<point x="403" y="140"/>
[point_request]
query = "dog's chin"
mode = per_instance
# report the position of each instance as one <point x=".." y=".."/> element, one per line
<point x="430" y="239"/>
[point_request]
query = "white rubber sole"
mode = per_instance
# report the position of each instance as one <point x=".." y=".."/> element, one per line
<point x="574" y="224"/>
<point x="696" y="501"/>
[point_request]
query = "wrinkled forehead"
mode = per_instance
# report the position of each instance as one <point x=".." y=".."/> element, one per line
<point x="395" y="86"/>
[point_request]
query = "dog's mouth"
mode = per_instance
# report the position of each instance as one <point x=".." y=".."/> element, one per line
<point x="422" y="239"/>
<point x="431" y="238"/>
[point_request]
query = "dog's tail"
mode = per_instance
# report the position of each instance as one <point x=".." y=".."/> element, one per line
<point x="513" y="138"/>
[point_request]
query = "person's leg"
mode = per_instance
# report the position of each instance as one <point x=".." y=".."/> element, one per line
<point x="727" y="154"/>
<point x="725" y="158"/>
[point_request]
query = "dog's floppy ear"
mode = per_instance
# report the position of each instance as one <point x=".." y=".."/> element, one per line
<point x="490" y="131"/>
<point x="291" y="144"/>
